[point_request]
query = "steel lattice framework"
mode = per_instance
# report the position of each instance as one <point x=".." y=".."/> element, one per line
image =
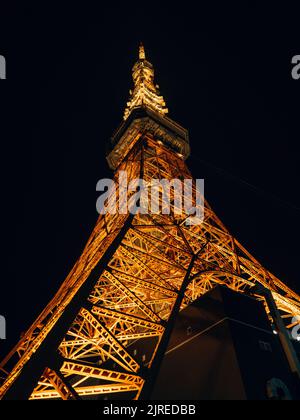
<point x="135" y="272"/>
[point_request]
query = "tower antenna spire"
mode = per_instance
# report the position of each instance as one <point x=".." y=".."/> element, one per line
<point x="142" y="55"/>
<point x="145" y="92"/>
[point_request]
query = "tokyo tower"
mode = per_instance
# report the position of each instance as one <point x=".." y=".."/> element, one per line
<point x="135" y="274"/>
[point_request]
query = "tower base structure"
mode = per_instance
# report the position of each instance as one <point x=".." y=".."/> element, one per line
<point x="223" y="347"/>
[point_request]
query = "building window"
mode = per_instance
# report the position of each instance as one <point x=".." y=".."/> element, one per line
<point x="265" y="346"/>
<point x="189" y="331"/>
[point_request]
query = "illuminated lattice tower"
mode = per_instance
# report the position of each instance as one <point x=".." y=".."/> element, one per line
<point x="134" y="275"/>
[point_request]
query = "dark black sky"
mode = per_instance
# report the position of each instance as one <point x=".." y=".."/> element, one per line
<point x="225" y="72"/>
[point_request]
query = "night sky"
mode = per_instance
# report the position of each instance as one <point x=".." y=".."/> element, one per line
<point x="225" y="73"/>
